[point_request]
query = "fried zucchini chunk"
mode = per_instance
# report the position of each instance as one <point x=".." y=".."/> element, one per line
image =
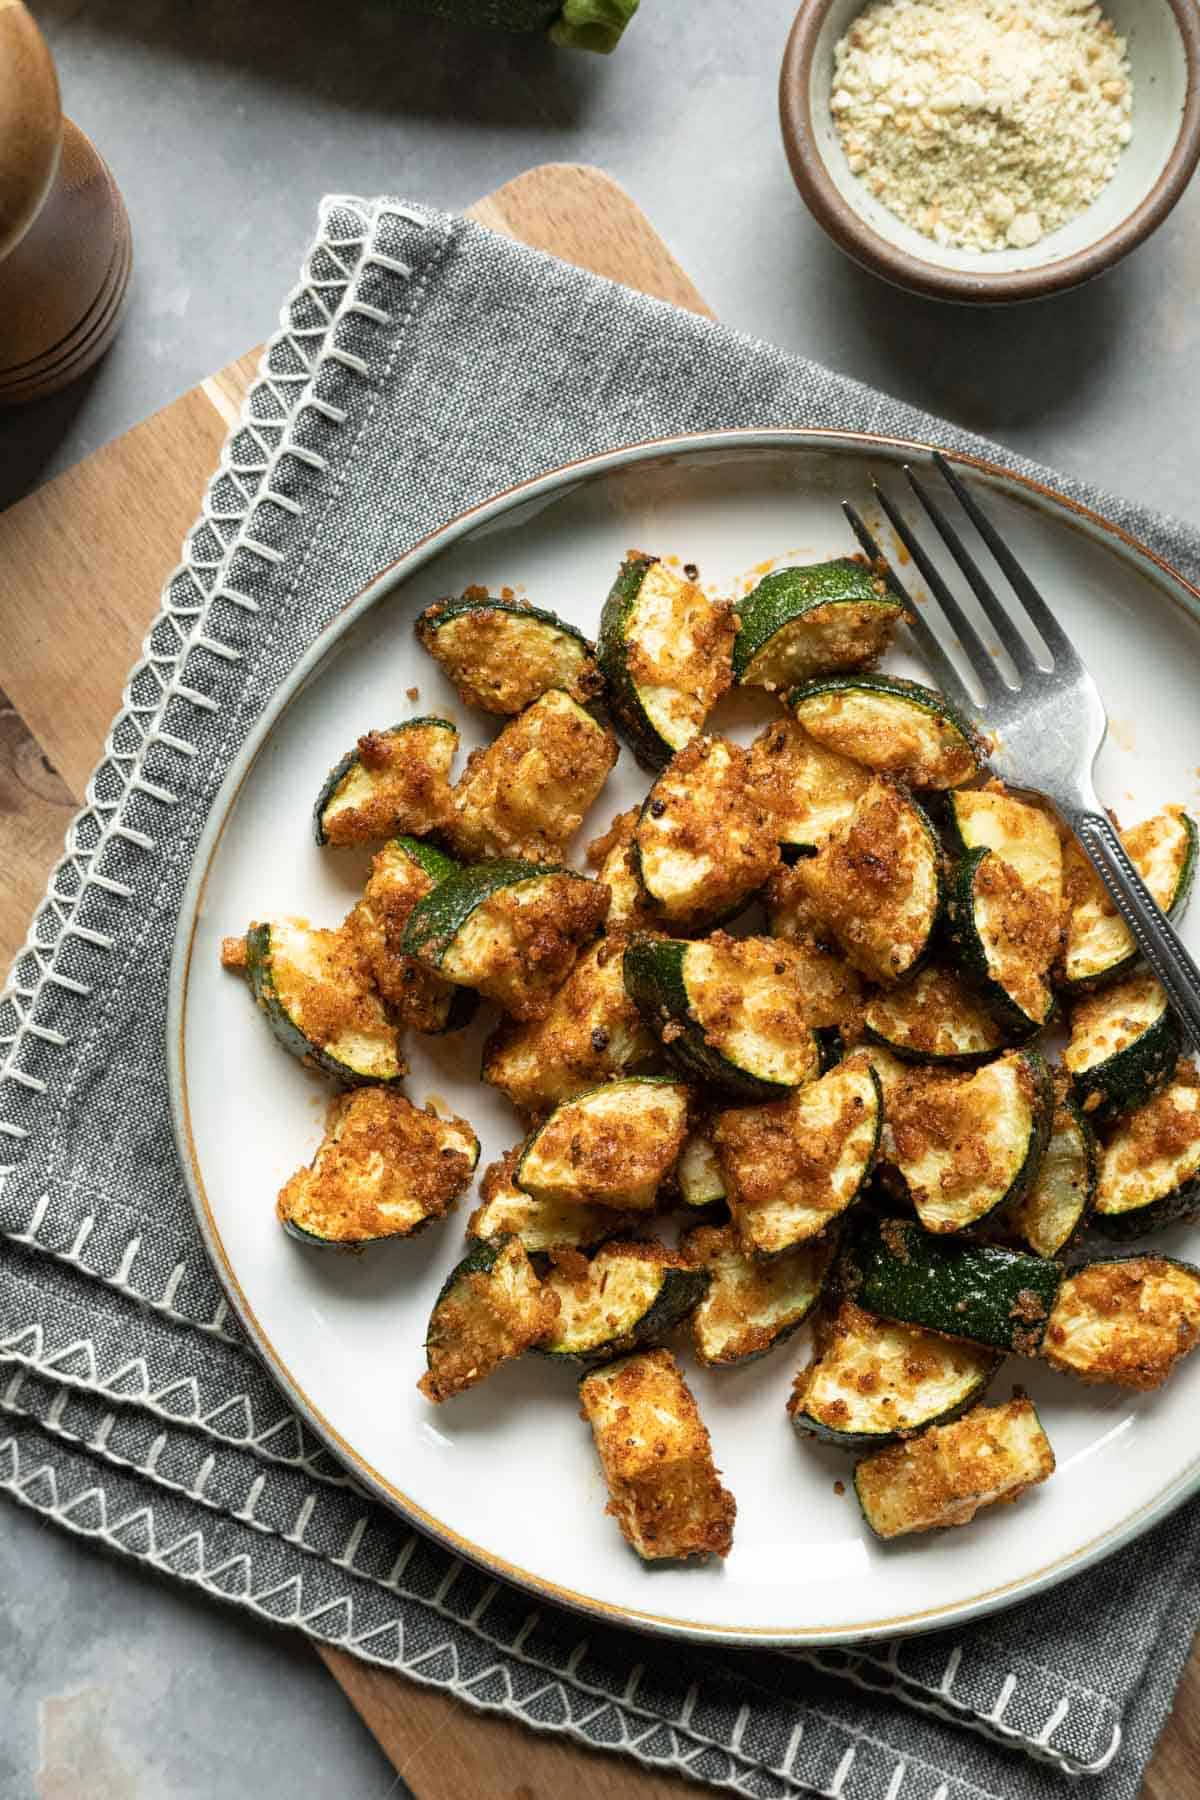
<point x="793" y="1167"/>
<point x="505" y="1210"/>
<point x="612" y="858"/>
<point x="704" y="843"/>
<point x="526" y="793"/>
<point x="501" y="654"/>
<point x="946" y="1475"/>
<point x="613" y="1146"/>
<point x="875" y="887"/>
<point x="1127" y="1321"/>
<point x="492" y="1307"/>
<point x="750" y="1306"/>
<point x="402" y="873"/>
<point x="392" y="782"/>
<point x="808" y="790"/>
<point x="592" y="1030"/>
<point x="510" y="930"/>
<point x="627" y="1295"/>
<point x="383" y="1169"/>
<point x="315" y="991"/>
<point x="664" y="1489"/>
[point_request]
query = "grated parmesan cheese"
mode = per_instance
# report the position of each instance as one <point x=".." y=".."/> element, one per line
<point x="983" y="123"/>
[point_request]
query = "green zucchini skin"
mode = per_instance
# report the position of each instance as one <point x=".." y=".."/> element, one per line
<point x="1170" y="1205"/>
<point x="681" y="1292"/>
<point x="655" y="981"/>
<point x="443" y="612"/>
<point x="784" y="596"/>
<point x="480" y="1259"/>
<point x="981" y="1292"/>
<point x="437" y="918"/>
<point x="343" y="766"/>
<point x="971" y="956"/>
<point x="1123" y="1081"/>
<point x="262" y="986"/>
<point x="651" y="750"/>
<point x="595" y="25"/>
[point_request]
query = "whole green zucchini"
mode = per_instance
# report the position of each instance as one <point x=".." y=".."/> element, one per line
<point x="575" y="24"/>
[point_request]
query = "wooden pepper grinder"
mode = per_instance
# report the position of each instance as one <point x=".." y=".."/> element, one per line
<point x="65" y="251"/>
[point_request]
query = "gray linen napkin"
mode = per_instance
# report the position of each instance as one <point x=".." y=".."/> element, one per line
<point x="423" y="365"/>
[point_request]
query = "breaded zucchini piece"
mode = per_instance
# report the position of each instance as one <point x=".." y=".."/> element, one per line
<point x="1062" y="1191"/>
<point x="612" y="1146"/>
<point x="750" y="1306"/>
<point x="391" y="782"/>
<point x="934" y="1018"/>
<point x="666" y="650"/>
<point x="894" y="726"/>
<point x="525" y="794"/>
<point x="1099" y="946"/>
<point x="943" y="1477"/>
<point x="704" y="843"/>
<point x="612" y="858"/>
<point x="383" y="1169"/>
<point x="315" y="991"/>
<point x="875" y="887"/>
<point x="510" y="930"/>
<point x="1127" y="1320"/>
<point x="1150" y="1167"/>
<point x="402" y="873"/>
<point x="592" y="1030"/>
<point x="506" y="1210"/>
<point x="628" y="1294"/>
<point x="808" y="790"/>
<point x="501" y="653"/>
<point x="491" y="1307"/>
<point x="664" y="1489"/>
<point x="793" y="1167"/>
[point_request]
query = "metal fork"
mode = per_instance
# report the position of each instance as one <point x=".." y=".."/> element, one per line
<point x="1048" y="727"/>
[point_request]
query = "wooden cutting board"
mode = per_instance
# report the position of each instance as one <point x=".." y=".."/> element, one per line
<point x="82" y="562"/>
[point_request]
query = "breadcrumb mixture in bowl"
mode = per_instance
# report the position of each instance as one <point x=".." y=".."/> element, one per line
<point x="991" y="150"/>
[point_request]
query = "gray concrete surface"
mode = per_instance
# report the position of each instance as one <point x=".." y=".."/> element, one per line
<point x="224" y="123"/>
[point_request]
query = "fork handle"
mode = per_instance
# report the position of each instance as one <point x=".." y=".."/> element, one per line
<point x="1156" y="937"/>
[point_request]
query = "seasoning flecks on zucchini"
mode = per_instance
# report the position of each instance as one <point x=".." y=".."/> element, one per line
<point x="666" y="651"/>
<point x="611" y="856"/>
<point x="315" y="992"/>
<point x="893" y="726"/>
<point x="1150" y="1166"/>
<point x="403" y="872"/>
<point x="795" y="1166"/>
<point x="510" y="930"/>
<point x="1061" y="1193"/>
<point x="751" y="1306"/>
<point x="593" y="1030"/>
<point x="984" y="1293"/>
<point x="505" y="1210"/>
<point x="704" y="843"/>
<point x="501" y="654"/>
<point x="729" y="1011"/>
<point x="875" y="886"/>
<point x="874" y="1380"/>
<point x="611" y="1147"/>
<point x="525" y="794"/>
<point x="1006" y="936"/>
<point x="664" y="1488"/>
<point x="1099" y="946"/>
<point x="491" y="1308"/>
<point x="946" y="1475"/>
<point x="383" y="1169"/>
<point x="1024" y="835"/>
<point x="800" y="622"/>
<point x="392" y="782"/>
<point x="809" y="791"/>
<point x="934" y="1018"/>
<point x="1126" y="1321"/>
<point x="627" y="1295"/>
<point x="969" y="1143"/>
<point x="1125" y="1043"/>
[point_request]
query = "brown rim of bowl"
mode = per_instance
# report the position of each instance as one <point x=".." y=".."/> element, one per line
<point x="864" y="245"/>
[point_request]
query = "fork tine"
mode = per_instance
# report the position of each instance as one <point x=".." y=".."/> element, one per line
<point x="982" y="662"/>
<point x="1023" y="658"/>
<point x="1053" y="636"/>
<point x="945" y="671"/>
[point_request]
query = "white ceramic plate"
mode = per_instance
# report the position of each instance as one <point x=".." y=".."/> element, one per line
<point x="506" y="1474"/>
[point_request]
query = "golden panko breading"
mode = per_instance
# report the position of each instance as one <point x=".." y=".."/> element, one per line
<point x="399" y="782"/>
<point x="988" y="1458"/>
<point x="520" y="944"/>
<point x="525" y="795"/>
<point x="417" y="996"/>
<point x="500" y="658"/>
<point x="491" y="1308"/>
<point x="1128" y="1321"/>
<point x="705" y="842"/>
<point x="664" y="1489"/>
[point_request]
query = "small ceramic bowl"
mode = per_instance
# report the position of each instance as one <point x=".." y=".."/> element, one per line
<point x="1164" y="52"/>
